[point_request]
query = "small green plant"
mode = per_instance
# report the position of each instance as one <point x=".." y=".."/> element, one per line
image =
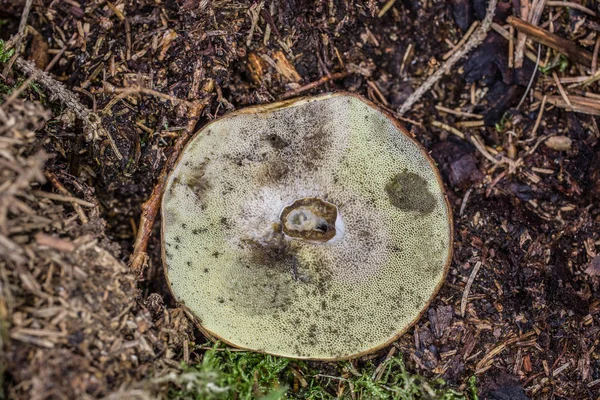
<point x="561" y="63"/>
<point x="473" y="388"/>
<point x="5" y="55"/>
<point x="226" y="374"/>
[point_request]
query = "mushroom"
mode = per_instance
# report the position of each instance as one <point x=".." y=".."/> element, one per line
<point x="315" y="228"/>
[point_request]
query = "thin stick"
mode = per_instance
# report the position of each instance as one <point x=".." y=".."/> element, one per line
<point x="312" y="85"/>
<point x="508" y="36"/>
<point x="465" y="297"/>
<point x="19" y="37"/>
<point x="462" y="41"/>
<point x="59" y="197"/>
<point x="458" y="112"/>
<point x="476" y="39"/>
<point x="59" y="186"/>
<point x="511" y="47"/>
<point x="463" y="204"/>
<point x="473" y="139"/>
<point x="578" y="104"/>
<point x="538" y="120"/>
<point x="124" y="92"/>
<point x="58" y="91"/>
<point x="561" y="89"/>
<point x="139" y="257"/>
<point x="595" y="55"/>
<point x="386" y="7"/>
<point x="572" y="5"/>
<point x="534" y="15"/>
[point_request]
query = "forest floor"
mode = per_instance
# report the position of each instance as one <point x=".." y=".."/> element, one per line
<point x="518" y="148"/>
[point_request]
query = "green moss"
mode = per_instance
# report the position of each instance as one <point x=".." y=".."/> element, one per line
<point x="226" y="374"/>
<point x="5" y="55"/>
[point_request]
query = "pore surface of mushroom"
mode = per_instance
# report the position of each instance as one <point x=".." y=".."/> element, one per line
<point x="314" y="228"/>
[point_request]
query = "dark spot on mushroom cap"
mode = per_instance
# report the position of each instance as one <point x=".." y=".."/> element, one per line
<point x="197" y="182"/>
<point x="409" y="192"/>
<point x="276" y="141"/>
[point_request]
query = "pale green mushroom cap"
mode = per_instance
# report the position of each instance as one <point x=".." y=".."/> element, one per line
<point x="254" y="286"/>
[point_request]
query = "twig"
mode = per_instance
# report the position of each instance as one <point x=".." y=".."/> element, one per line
<point x="511" y="47"/>
<point x="538" y="120"/>
<point x="532" y="15"/>
<point x="59" y="186"/>
<point x="510" y="37"/>
<point x="458" y="112"/>
<point x="449" y="128"/>
<point x="124" y="92"/>
<point x="561" y="89"/>
<point x="572" y="5"/>
<point x="463" y="204"/>
<point x="559" y="44"/>
<point x="579" y="104"/>
<point x="60" y="54"/>
<point x="465" y="297"/>
<point x="59" y="197"/>
<point x="595" y="55"/>
<point x="386" y="7"/>
<point x="462" y="41"/>
<point x="59" y="92"/>
<point x="312" y="85"/>
<point x="476" y="39"/>
<point x="139" y="257"/>
<point x="19" y="37"/>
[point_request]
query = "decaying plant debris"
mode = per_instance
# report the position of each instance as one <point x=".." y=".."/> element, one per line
<point x="518" y="150"/>
<point x="73" y="320"/>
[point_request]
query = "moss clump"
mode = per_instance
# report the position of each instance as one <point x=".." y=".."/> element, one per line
<point x="225" y="374"/>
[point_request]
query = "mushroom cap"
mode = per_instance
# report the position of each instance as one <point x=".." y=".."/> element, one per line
<point x="247" y="217"/>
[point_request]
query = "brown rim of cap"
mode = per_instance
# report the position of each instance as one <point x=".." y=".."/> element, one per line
<point x="282" y="104"/>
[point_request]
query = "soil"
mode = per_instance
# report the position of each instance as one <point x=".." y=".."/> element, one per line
<point x="527" y="225"/>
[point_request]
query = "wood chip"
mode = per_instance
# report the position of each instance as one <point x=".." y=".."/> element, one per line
<point x="559" y="143"/>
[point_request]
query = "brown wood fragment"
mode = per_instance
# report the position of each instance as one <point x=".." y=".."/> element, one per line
<point x="312" y="85"/>
<point x="285" y="68"/>
<point x="559" y="44"/>
<point x="527" y="363"/>
<point x="256" y="66"/>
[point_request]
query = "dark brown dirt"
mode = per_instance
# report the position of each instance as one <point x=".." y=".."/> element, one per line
<point x="533" y="310"/>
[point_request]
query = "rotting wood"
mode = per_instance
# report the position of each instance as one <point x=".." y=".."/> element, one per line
<point x="559" y="44"/>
